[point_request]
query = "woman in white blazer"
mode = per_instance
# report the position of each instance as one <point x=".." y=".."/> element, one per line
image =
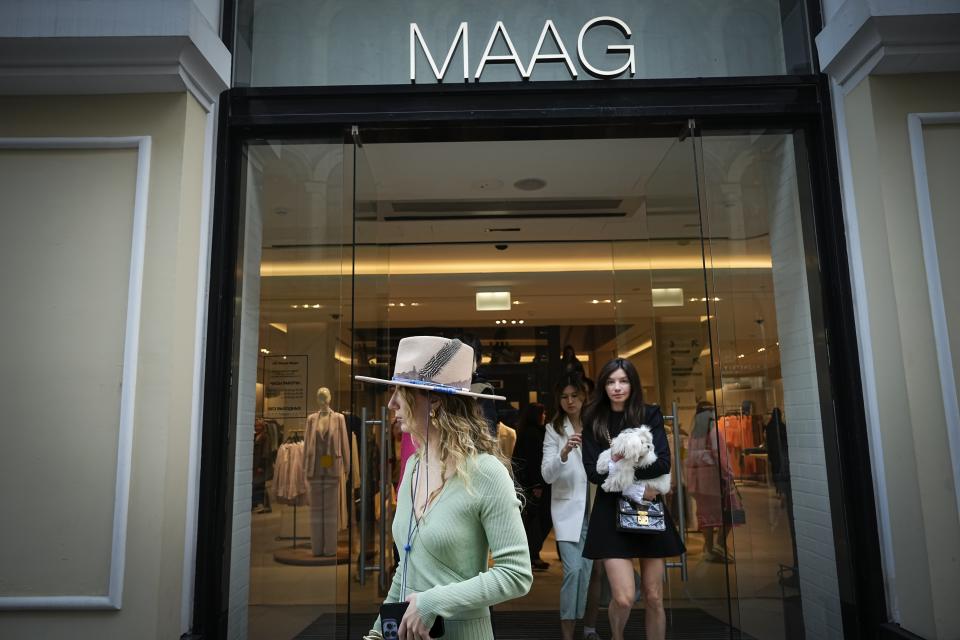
<point x="562" y="468"/>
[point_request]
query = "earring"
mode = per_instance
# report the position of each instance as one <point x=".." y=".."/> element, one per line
<point x="433" y="413"/>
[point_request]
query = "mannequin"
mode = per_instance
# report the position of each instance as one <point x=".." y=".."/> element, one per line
<point x="326" y="454"/>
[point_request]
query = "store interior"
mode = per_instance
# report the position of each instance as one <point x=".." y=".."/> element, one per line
<point x="660" y="250"/>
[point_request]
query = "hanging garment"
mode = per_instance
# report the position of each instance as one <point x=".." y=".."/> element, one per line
<point x="288" y="479"/>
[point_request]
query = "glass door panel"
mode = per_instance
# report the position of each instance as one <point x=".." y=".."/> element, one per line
<point x="296" y="234"/>
<point x="761" y="282"/>
<point x="370" y="345"/>
<point x="662" y="328"/>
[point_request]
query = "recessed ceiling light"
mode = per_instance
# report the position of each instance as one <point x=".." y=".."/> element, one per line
<point x="530" y="184"/>
<point x="493" y="301"/>
<point x="669" y="297"/>
<point x="519" y="321"/>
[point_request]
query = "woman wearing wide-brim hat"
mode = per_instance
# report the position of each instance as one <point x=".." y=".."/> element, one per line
<point x="456" y="502"/>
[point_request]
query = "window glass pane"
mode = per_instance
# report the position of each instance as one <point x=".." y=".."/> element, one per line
<point x="771" y="392"/>
<point x="294" y="447"/>
<point x="366" y="42"/>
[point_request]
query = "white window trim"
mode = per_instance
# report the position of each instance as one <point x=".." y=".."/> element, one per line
<point x="113" y="598"/>
<point x="931" y="263"/>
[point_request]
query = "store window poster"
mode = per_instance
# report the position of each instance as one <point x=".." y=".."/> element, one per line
<point x="285" y="386"/>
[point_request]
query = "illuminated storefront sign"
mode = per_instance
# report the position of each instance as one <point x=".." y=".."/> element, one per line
<point x="461" y="41"/>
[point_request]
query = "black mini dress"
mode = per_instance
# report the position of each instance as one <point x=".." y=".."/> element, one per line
<point x="603" y="539"/>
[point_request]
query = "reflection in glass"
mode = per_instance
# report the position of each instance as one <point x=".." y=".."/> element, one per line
<point x="295" y="226"/>
<point x="767" y="392"/>
<point x="366" y="42"/>
<point x="685" y="256"/>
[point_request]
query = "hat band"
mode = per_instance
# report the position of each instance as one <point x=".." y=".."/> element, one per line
<point x="437" y="386"/>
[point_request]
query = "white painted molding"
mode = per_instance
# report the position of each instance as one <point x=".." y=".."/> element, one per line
<point x="861" y="313"/>
<point x="866" y="37"/>
<point x="199" y="360"/>
<point x="931" y="263"/>
<point x="133" y="46"/>
<point x="131" y="345"/>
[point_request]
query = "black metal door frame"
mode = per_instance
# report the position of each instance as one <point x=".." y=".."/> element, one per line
<point x="453" y="111"/>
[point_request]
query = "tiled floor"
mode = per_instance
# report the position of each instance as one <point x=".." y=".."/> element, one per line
<point x="286" y="599"/>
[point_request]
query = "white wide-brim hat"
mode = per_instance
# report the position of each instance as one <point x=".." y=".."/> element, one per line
<point x="435" y="364"/>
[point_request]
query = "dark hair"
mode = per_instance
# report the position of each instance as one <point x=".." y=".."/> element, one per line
<point x="472" y="341"/>
<point x="596" y="414"/>
<point x="576" y="381"/>
<point x="532" y="416"/>
<point x="701" y="424"/>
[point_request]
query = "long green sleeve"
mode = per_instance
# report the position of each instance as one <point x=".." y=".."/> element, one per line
<point x="498" y="511"/>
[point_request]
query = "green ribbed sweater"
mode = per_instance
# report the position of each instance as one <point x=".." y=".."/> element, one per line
<point x="448" y="567"/>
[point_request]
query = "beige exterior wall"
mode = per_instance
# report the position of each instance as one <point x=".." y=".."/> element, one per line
<point x="156" y="537"/>
<point x="942" y="157"/>
<point x="923" y="570"/>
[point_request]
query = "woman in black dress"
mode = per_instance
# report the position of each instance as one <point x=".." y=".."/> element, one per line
<point x="617" y="404"/>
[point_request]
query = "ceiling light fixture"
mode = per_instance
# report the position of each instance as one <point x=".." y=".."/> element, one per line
<point x="493" y="301"/>
<point x="669" y="297"/>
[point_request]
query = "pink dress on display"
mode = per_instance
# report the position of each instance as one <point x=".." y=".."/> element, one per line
<point x="709" y="475"/>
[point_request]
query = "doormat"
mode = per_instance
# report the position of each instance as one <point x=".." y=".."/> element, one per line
<point x="682" y="624"/>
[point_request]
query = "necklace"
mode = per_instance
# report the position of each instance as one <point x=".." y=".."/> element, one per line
<point x="430" y="496"/>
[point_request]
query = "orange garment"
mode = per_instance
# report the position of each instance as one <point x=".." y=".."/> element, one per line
<point x="738" y="433"/>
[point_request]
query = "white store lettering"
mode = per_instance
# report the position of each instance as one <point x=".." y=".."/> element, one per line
<point x="462" y="40"/>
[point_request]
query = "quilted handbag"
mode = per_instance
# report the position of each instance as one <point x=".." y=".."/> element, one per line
<point x="640" y="517"/>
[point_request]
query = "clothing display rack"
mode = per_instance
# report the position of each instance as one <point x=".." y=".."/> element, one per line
<point x="295" y="435"/>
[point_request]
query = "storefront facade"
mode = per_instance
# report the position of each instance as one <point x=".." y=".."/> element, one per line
<point x="658" y="183"/>
<point x="369" y="166"/>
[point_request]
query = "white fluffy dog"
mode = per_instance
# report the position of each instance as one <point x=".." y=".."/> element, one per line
<point x="638" y="451"/>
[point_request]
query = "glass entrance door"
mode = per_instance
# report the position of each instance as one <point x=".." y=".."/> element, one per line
<point x="769" y="382"/>
<point x="371" y="345"/>
<point x="551" y="251"/>
<point x="662" y="317"/>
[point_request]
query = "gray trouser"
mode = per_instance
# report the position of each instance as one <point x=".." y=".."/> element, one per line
<point x="576" y="575"/>
<point x="324" y="508"/>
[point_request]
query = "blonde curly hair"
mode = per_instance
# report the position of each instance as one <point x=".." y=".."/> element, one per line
<point x="462" y="430"/>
